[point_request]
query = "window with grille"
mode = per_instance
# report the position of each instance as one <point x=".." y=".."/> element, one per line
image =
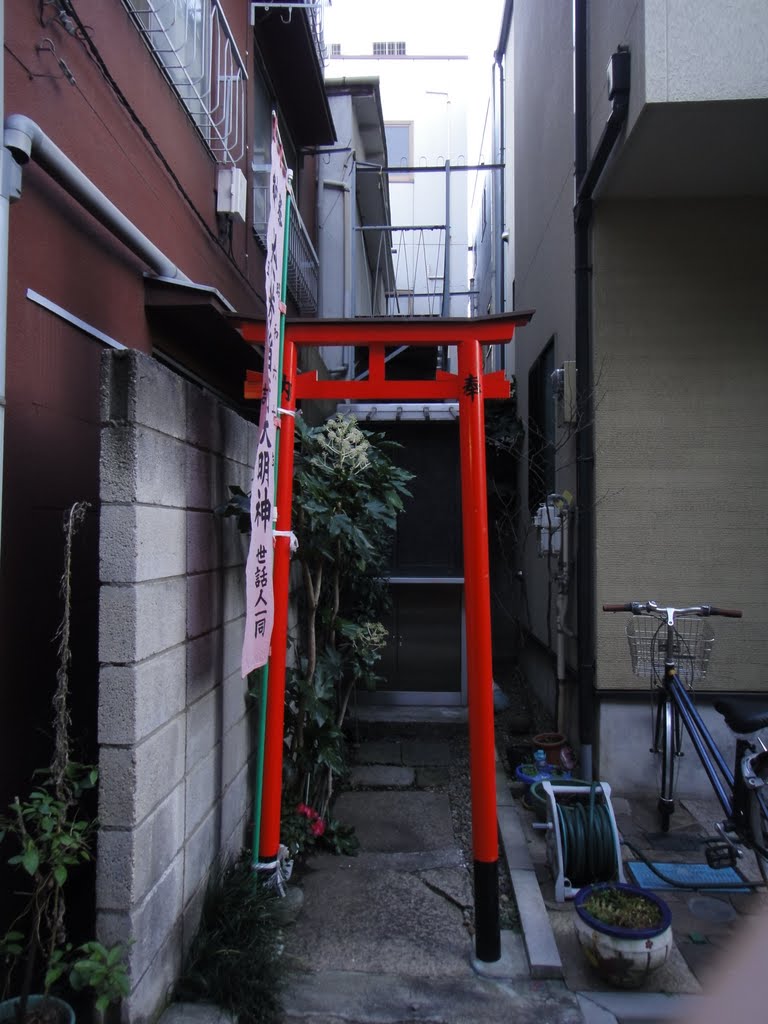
<point x="335" y="49"/>
<point x="389" y="49"/>
<point x="193" y="45"/>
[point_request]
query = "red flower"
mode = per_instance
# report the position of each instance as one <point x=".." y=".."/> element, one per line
<point x="317" y="827"/>
<point x="306" y="811"/>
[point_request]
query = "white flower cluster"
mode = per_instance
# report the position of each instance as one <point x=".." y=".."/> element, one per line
<point x="342" y="442"/>
<point x="372" y="636"/>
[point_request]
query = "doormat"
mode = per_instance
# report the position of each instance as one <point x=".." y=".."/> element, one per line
<point x="685" y="875"/>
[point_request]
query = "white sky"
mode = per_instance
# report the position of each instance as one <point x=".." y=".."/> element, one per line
<point x="454" y="27"/>
<point x="428" y="27"/>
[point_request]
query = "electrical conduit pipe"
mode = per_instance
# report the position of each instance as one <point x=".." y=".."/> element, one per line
<point x="27" y="141"/>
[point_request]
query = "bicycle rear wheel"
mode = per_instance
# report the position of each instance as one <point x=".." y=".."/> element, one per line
<point x="758" y="822"/>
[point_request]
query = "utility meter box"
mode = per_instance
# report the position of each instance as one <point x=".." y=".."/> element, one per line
<point x="231" y="189"/>
<point x="564" y="389"/>
<point x="548" y="520"/>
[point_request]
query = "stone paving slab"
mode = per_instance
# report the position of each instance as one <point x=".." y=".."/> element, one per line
<point x="196" y="1013"/>
<point x="390" y="922"/>
<point x="453" y="885"/>
<point x="400" y="822"/>
<point x="379" y="752"/>
<point x="432" y="777"/>
<point x="382" y="775"/>
<point x="426" y="752"/>
<point x="420" y="860"/>
<point x="544" y="955"/>
<point x="335" y="997"/>
<point x="640" y="1007"/>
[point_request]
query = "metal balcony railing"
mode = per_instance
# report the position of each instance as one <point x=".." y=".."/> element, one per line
<point x="303" y="264"/>
<point x="194" y="46"/>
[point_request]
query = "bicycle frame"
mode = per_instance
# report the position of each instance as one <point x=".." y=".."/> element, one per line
<point x="711" y="758"/>
<point x="707" y="749"/>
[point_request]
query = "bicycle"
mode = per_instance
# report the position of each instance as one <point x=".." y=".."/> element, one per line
<point x="678" y="638"/>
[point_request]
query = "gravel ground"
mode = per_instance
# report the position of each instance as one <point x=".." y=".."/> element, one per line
<point x="461" y="811"/>
<point x="516" y="725"/>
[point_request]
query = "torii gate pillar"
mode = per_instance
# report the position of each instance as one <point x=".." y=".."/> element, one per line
<point x="482" y="747"/>
<point x="470" y="387"/>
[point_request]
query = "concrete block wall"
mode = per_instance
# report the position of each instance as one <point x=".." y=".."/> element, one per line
<point x="174" y="733"/>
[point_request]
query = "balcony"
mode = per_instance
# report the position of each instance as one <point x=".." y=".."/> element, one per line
<point x="194" y="47"/>
<point x="303" y="264"/>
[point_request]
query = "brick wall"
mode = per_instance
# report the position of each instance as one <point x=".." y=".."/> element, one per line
<point x="173" y="730"/>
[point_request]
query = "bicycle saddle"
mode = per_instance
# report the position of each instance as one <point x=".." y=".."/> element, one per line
<point x="746" y="713"/>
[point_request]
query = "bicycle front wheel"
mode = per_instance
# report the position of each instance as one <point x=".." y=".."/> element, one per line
<point x="758" y="822"/>
<point x="665" y="746"/>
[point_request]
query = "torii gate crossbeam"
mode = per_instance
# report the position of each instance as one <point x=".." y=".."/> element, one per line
<point x="469" y="387"/>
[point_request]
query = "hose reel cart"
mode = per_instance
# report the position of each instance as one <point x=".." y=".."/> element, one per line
<point x="582" y="838"/>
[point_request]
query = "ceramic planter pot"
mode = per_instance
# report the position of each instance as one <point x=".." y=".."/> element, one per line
<point x="552" y="744"/>
<point x="624" y="957"/>
<point x="51" y="1010"/>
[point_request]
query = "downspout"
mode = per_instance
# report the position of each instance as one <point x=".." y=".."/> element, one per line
<point x="501" y="156"/>
<point x="561" y="605"/>
<point x="586" y="178"/>
<point x="27" y="141"/>
<point x="446" y="303"/>
<point x="499" y="182"/>
<point x="346" y="299"/>
<point x="344" y="188"/>
<point x="10" y="186"/>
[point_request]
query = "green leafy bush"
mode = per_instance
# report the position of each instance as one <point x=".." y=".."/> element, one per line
<point x="347" y="495"/>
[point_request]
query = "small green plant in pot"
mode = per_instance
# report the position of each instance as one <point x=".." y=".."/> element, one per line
<point x="49" y="834"/>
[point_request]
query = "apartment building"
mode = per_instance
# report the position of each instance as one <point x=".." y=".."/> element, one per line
<point x="635" y="203"/>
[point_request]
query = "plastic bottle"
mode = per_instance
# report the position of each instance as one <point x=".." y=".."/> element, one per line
<point x="540" y="760"/>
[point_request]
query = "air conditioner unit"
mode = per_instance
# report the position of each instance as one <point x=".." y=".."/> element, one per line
<point x="231" y="192"/>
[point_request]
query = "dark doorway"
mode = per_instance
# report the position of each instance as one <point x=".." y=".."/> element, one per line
<point x="423" y="662"/>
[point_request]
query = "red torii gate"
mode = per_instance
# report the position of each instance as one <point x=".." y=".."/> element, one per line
<point x="469" y="387"/>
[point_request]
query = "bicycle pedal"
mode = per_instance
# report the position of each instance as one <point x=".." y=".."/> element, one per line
<point x="720" y="855"/>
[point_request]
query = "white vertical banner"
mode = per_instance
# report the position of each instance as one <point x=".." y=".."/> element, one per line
<point x="259" y="614"/>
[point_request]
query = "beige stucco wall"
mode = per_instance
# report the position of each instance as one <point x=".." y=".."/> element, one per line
<point x="705" y="50"/>
<point x="681" y="349"/>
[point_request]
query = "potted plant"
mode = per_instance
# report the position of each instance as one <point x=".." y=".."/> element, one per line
<point x="625" y="932"/>
<point x="49" y="833"/>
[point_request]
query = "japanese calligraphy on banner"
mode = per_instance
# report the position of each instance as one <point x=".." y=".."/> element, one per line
<point x="259" y="613"/>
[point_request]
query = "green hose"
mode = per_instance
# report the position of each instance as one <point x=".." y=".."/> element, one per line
<point x="711" y="886"/>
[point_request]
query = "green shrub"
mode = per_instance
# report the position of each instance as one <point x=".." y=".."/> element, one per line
<point x="234" y="960"/>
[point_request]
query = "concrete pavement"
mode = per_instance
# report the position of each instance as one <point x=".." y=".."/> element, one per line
<point x="387" y="936"/>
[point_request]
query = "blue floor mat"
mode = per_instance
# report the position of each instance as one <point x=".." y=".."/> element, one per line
<point x="686" y="875"/>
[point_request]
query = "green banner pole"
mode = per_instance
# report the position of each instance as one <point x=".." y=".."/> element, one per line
<point x="263" y="673"/>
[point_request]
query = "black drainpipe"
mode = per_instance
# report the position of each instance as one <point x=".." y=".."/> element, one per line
<point x="586" y="178"/>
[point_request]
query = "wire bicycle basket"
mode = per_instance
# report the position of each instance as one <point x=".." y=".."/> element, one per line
<point x="691" y="649"/>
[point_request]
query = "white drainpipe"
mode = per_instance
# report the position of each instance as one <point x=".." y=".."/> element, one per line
<point x="27" y="141"/>
<point x="10" y="185"/>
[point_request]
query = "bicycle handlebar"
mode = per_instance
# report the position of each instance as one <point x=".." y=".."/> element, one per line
<point x="648" y="607"/>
